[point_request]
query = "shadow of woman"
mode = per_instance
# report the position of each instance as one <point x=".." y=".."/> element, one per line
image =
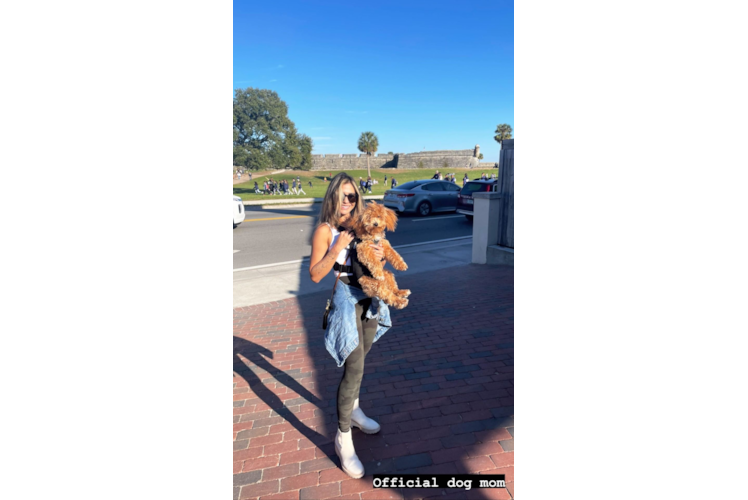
<point x="257" y="355"/>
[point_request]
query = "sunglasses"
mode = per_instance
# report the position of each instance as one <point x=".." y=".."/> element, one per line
<point x="351" y="197"/>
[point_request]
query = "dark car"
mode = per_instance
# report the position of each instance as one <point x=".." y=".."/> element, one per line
<point x="423" y="197"/>
<point x="465" y="198"/>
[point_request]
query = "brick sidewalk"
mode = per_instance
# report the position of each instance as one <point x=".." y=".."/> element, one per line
<point x="440" y="382"/>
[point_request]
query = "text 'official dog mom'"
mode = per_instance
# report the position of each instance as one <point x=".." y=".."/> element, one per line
<point x="462" y="481"/>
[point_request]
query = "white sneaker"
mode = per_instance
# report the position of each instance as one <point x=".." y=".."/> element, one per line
<point x="358" y="419"/>
<point x="347" y="454"/>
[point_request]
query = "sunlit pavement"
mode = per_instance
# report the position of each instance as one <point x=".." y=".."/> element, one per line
<point x="440" y="383"/>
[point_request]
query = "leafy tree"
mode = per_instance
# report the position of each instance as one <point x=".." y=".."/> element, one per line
<point x="264" y="136"/>
<point x="305" y="148"/>
<point x="368" y="143"/>
<point x="503" y="131"/>
<point x="480" y="156"/>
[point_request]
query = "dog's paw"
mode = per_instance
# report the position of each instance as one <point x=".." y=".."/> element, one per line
<point x="403" y="267"/>
<point x="403" y="293"/>
<point x="399" y="303"/>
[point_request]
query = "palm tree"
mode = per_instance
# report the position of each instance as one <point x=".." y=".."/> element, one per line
<point x="368" y="143"/>
<point x="503" y="131"/>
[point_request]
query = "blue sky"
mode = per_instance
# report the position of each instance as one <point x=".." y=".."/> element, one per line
<point x="421" y="75"/>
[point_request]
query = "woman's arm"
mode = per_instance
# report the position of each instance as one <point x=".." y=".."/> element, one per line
<point x="322" y="260"/>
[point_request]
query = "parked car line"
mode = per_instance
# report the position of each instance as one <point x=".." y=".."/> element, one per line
<point x="238" y="211"/>
<point x="422" y="197"/>
<point x="465" y="198"/>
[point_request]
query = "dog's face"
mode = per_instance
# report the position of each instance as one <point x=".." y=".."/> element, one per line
<point x="377" y="218"/>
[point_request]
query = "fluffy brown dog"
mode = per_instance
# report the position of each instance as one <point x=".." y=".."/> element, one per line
<point x="370" y="227"/>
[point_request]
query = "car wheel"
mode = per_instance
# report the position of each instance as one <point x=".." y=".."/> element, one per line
<point x="424" y="208"/>
<point x="469" y="218"/>
<point x="234" y="226"/>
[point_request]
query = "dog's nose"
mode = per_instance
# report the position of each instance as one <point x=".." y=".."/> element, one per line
<point x="376" y="224"/>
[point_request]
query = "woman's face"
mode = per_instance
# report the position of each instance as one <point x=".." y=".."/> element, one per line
<point x="347" y="192"/>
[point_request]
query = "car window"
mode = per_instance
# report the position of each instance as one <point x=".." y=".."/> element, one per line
<point x="409" y="185"/>
<point x="451" y="187"/>
<point x="433" y="186"/>
<point x="472" y="187"/>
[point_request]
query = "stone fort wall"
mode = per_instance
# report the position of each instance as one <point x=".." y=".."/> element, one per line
<point x="352" y="162"/>
<point x="440" y="160"/>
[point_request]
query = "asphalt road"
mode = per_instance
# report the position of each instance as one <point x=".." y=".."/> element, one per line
<point x="284" y="234"/>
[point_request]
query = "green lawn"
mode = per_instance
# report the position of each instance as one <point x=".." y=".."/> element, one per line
<point x="245" y="190"/>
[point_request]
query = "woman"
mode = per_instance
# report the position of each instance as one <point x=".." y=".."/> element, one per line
<point x="355" y="321"/>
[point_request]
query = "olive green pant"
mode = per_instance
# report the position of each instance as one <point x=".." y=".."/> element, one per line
<point x="354" y="365"/>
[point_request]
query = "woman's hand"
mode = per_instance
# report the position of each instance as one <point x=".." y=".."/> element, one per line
<point x="343" y="240"/>
<point x="379" y="251"/>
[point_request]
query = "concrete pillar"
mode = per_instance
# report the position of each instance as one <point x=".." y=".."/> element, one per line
<point x="485" y="224"/>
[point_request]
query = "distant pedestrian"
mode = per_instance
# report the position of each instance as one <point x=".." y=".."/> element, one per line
<point x="257" y="191"/>
<point x="465" y="179"/>
<point x="293" y="187"/>
<point x="385" y="179"/>
<point x="394" y="183"/>
<point x="265" y="187"/>
<point x="368" y="184"/>
<point x="301" y="190"/>
<point x="452" y="180"/>
<point x="361" y="184"/>
<point x="310" y="184"/>
<point x="250" y="176"/>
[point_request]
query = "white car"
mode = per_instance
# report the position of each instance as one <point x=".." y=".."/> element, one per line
<point x="238" y="211"/>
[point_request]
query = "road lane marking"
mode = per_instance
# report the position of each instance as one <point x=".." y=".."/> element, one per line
<point x="307" y="258"/>
<point x="437" y="218"/>
<point x="277" y="218"/>
<point x="434" y="241"/>
<point x="272" y="265"/>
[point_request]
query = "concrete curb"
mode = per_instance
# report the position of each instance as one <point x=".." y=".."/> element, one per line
<point x="433" y="243"/>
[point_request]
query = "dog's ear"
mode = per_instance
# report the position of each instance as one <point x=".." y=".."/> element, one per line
<point x="359" y="223"/>
<point x="390" y="219"/>
<point x="365" y="215"/>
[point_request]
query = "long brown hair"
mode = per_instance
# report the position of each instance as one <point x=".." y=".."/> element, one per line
<point x="330" y="212"/>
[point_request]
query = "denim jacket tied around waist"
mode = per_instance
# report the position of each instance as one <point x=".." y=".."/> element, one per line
<point x="341" y="336"/>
